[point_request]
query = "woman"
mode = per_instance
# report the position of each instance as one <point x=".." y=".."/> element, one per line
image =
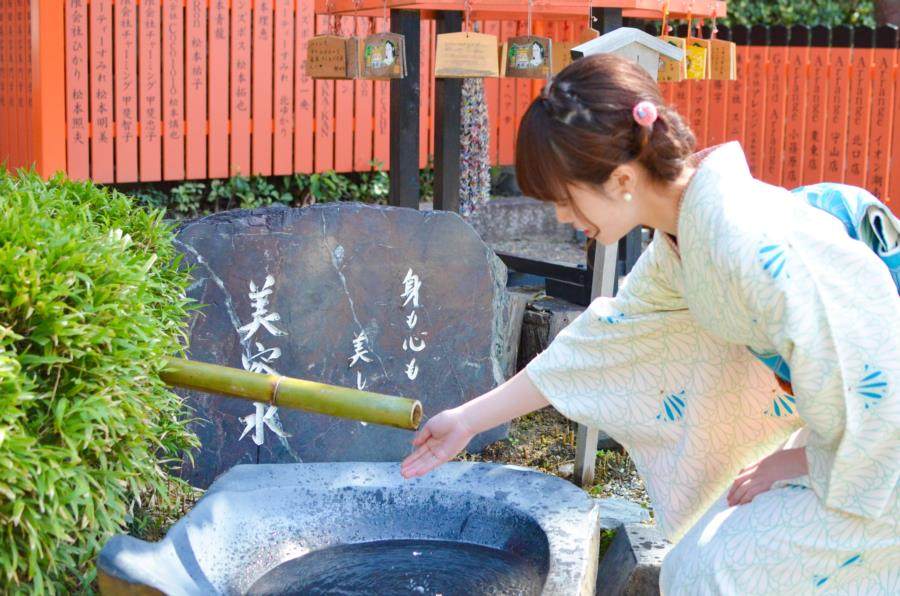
<point x="740" y="275"/>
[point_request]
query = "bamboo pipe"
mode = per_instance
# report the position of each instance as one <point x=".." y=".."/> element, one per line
<point x="288" y="392"/>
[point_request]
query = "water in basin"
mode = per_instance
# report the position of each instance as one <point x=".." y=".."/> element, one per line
<point x="404" y="567"/>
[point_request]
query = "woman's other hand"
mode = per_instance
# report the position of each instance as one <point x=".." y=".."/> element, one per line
<point x="438" y="442"/>
<point x="758" y="478"/>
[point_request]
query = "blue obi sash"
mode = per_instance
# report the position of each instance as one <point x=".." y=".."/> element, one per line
<point x="866" y="219"/>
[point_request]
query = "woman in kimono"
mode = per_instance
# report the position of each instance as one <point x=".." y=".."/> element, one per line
<point x="781" y="483"/>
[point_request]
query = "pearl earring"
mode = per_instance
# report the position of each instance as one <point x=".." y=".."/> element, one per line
<point x="627" y="196"/>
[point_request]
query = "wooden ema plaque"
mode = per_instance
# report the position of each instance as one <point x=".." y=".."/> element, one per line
<point x="528" y="57"/>
<point x="722" y="60"/>
<point x="697" y="56"/>
<point x="333" y="57"/>
<point x="673" y="71"/>
<point x="384" y="56"/>
<point x="466" y="55"/>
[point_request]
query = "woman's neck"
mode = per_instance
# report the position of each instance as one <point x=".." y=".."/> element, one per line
<point x="664" y="202"/>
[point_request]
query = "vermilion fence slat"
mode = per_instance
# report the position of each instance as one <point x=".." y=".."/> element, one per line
<point x="263" y="44"/>
<point x="883" y="99"/>
<point x="324" y="110"/>
<point x="507" y="119"/>
<point x="817" y="100"/>
<point x="126" y="86"/>
<point x="755" y="108"/>
<point x="860" y="114"/>
<point x="16" y="78"/>
<point x="195" y="92"/>
<point x="101" y="49"/>
<point x="173" y="90"/>
<point x="241" y="99"/>
<point x="492" y="96"/>
<point x="343" y="122"/>
<point x="151" y="90"/>
<point x="737" y="95"/>
<point x="284" y="88"/>
<point x="363" y="113"/>
<point x="303" y="90"/>
<point x="773" y="145"/>
<point x="893" y="193"/>
<point x="431" y="97"/>
<point x="798" y="57"/>
<point x="837" y="114"/>
<point x="77" y="102"/>
<point x="382" y="111"/>
<point x="524" y="91"/>
<point x="5" y="95"/>
<point x="219" y="44"/>
<point x="29" y="120"/>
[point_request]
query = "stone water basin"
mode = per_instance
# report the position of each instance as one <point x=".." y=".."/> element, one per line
<point x="360" y="528"/>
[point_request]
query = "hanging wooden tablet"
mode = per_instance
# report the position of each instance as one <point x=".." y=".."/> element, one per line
<point x="466" y="55"/>
<point x="528" y="57"/>
<point x="672" y="71"/>
<point x="384" y="56"/>
<point x="697" y="57"/>
<point x="331" y="57"/>
<point x="722" y="60"/>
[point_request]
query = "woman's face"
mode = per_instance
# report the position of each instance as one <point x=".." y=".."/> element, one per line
<point x="599" y="213"/>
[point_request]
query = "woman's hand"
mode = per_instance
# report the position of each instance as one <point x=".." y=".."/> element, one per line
<point x="758" y="478"/>
<point x="438" y="442"/>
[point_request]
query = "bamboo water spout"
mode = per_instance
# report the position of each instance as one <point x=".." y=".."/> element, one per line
<point x="288" y="392"/>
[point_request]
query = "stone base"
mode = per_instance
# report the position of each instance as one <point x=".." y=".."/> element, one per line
<point x="632" y="563"/>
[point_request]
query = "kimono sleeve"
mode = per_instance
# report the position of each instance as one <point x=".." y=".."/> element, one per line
<point x="591" y="363"/>
<point x="829" y="307"/>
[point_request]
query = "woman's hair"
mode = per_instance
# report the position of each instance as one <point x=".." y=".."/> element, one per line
<point x="581" y="128"/>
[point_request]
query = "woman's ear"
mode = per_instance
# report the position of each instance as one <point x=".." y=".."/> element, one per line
<point x="622" y="181"/>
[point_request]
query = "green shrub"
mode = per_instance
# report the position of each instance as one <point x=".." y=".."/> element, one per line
<point x="801" y="12"/>
<point x="91" y="301"/>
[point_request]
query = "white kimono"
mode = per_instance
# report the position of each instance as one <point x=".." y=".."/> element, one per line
<point x="664" y="368"/>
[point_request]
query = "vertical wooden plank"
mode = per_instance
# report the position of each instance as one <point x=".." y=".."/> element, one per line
<point x="797" y="62"/>
<point x="776" y="84"/>
<point x="817" y="98"/>
<point x="77" y="73"/>
<point x="282" y="160"/>
<point x="126" y="84"/>
<point x="838" y="104"/>
<point x="404" y="110"/>
<point x="173" y="90"/>
<point x="425" y="78"/>
<point x="48" y="34"/>
<point x="382" y="112"/>
<point x="507" y="121"/>
<point x="883" y="99"/>
<point x="448" y="127"/>
<point x="737" y="89"/>
<point x="432" y="92"/>
<point x="241" y="99"/>
<point x="150" y="89"/>
<point x="343" y="122"/>
<point x="860" y="105"/>
<point x="699" y="108"/>
<point x="101" y="91"/>
<point x="195" y="93"/>
<point x="5" y="115"/>
<point x="262" y="87"/>
<point x="29" y="119"/>
<point x="893" y="192"/>
<point x="324" y="110"/>
<point x="756" y="99"/>
<point x="16" y="77"/>
<point x="303" y="90"/>
<point x="363" y="112"/>
<point x="718" y="102"/>
<point x="492" y="97"/>
<point x="218" y="132"/>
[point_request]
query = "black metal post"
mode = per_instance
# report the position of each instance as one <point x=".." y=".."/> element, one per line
<point x="448" y="125"/>
<point x="405" y="116"/>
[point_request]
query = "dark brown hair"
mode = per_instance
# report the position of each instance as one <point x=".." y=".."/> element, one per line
<point x="581" y="128"/>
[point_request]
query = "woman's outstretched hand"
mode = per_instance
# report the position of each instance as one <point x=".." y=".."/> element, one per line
<point x="758" y="478"/>
<point x="438" y="442"/>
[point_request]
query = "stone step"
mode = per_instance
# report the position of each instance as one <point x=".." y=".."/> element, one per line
<point x="631" y="565"/>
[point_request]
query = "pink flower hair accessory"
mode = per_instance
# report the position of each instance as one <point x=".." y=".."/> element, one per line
<point x="645" y="113"/>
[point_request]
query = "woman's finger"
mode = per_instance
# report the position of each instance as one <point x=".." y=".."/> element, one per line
<point x="426" y="458"/>
<point x="735" y="497"/>
<point x="413" y="457"/>
<point x="740" y="480"/>
<point x="422" y="436"/>
<point x="753" y="490"/>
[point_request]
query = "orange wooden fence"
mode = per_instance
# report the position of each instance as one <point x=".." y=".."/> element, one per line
<point x="127" y="91"/>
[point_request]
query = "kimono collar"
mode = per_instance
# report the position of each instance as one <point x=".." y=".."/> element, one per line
<point x="726" y="161"/>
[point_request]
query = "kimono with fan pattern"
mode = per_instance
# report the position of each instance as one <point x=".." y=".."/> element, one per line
<point x="672" y="369"/>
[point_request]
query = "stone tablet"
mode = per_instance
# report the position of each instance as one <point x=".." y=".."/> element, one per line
<point x="389" y="300"/>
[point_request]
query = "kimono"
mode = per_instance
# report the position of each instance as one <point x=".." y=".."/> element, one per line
<point x="678" y="369"/>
